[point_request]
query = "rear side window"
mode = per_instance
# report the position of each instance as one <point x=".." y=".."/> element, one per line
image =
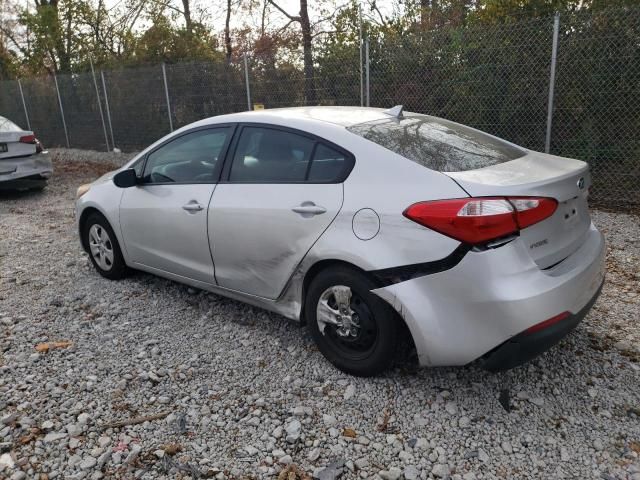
<point x="328" y="164"/>
<point x="438" y="144"/>
<point x="265" y="155"/>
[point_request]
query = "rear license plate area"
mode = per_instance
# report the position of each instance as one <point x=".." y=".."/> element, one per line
<point x="570" y="211"/>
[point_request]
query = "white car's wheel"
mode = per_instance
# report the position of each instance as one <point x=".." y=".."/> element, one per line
<point x="103" y="247"/>
<point x="353" y="328"/>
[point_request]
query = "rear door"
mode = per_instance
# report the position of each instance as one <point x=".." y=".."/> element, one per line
<point x="282" y="189"/>
<point x="164" y="218"/>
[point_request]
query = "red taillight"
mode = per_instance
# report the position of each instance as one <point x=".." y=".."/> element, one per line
<point x="31" y="139"/>
<point x="547" y="323"/>
<point x="478" y="220"/>
<point x="532" y="210"/>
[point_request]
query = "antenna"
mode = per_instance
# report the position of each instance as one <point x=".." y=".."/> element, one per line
<point x="395" y="112"/>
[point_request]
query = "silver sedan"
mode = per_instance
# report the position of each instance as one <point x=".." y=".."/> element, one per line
<point x="23" y="163"/>
<point x="365" y="224"/>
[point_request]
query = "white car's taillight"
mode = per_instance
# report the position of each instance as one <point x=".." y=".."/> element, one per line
<point x="479" y="220"/>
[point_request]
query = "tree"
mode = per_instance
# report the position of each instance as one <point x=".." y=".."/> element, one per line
<point x="227" y="33"/>
<point x="305" y="26"/>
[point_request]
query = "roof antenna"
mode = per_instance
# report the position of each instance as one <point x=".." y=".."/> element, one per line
<point x="395" y="112"/>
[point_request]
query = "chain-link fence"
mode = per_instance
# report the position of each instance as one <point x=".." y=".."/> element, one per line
<point x="496" y="77"/>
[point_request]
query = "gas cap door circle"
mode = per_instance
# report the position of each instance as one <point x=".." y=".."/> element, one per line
<point x="365" y="224"/>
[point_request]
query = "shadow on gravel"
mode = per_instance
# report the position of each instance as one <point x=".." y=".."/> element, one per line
<point x="10" y="194"/>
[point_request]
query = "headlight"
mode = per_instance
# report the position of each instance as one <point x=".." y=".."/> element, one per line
<point x="82" y="189"/>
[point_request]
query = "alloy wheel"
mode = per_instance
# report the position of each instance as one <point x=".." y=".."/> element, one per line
<point x="101" y="247"/>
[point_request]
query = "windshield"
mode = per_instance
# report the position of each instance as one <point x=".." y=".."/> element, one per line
<point x="438" y="144"/>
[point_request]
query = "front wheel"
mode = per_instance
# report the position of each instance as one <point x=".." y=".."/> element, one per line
<point x="354" y="329"/>
<point x="103" y="247"/>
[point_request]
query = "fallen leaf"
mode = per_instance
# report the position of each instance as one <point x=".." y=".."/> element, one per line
<point x="46" y="346"/>
<point x="293" y="472"/>
<point x="172" y="448"/>
<point x="27" y="439"/>
<point x="349" y="432"/>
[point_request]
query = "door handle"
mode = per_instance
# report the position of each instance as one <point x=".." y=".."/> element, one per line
<point x="192" y="206"/>
<point x="309" y="209"/>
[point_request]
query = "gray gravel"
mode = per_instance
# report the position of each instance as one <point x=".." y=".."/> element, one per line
<point x="244" y="393"/>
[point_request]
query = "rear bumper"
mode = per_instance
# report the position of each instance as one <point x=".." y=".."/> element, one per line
<point x="459" y="315"/>
<point x="25" y="172"/>
<point x="526" y="346"/>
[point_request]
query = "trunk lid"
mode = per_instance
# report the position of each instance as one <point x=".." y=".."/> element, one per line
<point x="10" y="145"/>
<point x="540" y="175"/>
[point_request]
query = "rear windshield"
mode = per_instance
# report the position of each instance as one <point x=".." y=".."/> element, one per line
<point x="438" y="144"/>
<point x="8" y="126"/>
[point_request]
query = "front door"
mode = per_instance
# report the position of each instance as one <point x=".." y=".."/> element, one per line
<point x="164" y="218"/>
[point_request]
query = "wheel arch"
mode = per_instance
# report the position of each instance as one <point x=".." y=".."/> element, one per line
<point x="321" y="265"/>
<point x="86" y="213"/>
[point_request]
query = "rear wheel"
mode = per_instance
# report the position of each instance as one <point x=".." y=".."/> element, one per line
<point x="353" y="328"/>
<point x="103" y="247"/>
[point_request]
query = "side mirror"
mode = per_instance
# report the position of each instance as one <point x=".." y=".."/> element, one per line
<point x="126" y="178"/>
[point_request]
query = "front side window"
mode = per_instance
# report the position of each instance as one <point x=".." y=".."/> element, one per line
<point x="190" y="158"/>
<point x="270" y="156"/>
<point x="438" y="144"/>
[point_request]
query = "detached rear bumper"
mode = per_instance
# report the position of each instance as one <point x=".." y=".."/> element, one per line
<point x="491" y="297"/>
<point x="527" y="346"/>
<point x="25" y="172"/>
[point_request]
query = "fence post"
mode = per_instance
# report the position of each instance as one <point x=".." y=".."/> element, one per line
<point x="360" y="48"/>
<point x="95" y="84"/>
<point x="64" y="123"/>
<point x="106" y="104"/>
<point x="552" y="81"/>
<point x="166" y="94"/>
<point x="366" y="54"/>
<point x="24" y="105"/>
<point x="246" y="81"/>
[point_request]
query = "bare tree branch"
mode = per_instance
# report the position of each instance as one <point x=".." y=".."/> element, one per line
<point x="323" y="32"/>
<point x="331" y="15"/>
<point x="293" y="18"/>
<point x="282" y="29"/>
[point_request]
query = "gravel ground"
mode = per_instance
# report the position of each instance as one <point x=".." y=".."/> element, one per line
<point x="241" y="393"/>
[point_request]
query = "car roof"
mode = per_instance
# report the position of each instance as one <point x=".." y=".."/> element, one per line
<point x="343" y="116"/>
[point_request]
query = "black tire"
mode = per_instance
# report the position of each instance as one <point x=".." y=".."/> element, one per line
<point x="115" y="269"/>
<point x="371" y="349"/>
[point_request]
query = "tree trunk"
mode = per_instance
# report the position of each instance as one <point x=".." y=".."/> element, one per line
<point x="227" y="33"/>
<point x="187" y="17"/>
<point x="425" y="14"/>
<point x="309" y="84"/>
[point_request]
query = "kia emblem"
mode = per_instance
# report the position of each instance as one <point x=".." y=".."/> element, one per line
<point x="581" y="183"/>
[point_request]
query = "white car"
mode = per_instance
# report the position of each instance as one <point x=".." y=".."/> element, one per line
<point x="361" y="223"/>
<point x="23" y="163"/>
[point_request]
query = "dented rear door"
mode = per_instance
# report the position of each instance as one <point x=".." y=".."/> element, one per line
<point x="258" y="238"/>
